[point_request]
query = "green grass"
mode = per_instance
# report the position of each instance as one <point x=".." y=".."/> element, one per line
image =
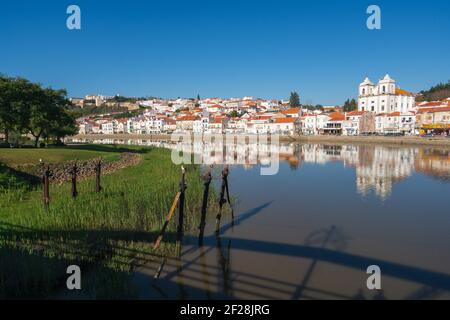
<point x="102" y="232"/>
<point x="28" y="156"/>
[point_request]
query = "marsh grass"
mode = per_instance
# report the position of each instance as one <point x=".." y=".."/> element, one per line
<point x="104" y="233"/>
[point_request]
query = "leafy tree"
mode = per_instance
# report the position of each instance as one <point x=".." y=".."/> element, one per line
<point x="350" y="105"/>
<point x="294" y="100"/>
<point x="233" y="114"/>
<point x="313" y="107"/>
<point x="7" y="120"/>
<point x="13" y="104"/>
<point x="62" y="122"/>
<point x="26" y="107"/>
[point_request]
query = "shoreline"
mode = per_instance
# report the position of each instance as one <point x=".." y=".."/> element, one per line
<point x="397" y="141"/>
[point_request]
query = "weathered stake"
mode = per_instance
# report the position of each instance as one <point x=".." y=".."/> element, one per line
<point x="166" y="223"/>
<point x="98" y="171"/>
<point x="229" y="201"/>
<point x="74" y="181"/>
<point x="222" y="200"/>
<point x="206" y="182"/>
<point x="181" y="212"/>
<point x="46" y="186"/>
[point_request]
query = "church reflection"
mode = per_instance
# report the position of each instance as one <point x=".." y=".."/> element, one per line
<point x="377" y="167"/>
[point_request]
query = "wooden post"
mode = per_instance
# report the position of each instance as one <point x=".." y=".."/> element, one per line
<point x="222" y="200"/>
<point x="228" y="199"/>
<point x="206" y="182"/>
<point x="46" y="186"/>
<point x="98" y="172"/>
<point x="166" y="223"/>
<point x="181" y="211"/>
<point x="74" y="180"/>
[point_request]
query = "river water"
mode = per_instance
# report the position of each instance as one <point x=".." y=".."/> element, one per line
<point x="312" y="230"/>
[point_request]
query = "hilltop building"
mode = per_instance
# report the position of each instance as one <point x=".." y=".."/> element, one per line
<point x="385" y="97"/>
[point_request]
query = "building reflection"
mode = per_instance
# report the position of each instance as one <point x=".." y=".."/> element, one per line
<point x="377" y="167"/>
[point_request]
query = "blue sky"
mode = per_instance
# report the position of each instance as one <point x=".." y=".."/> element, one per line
<point x="226" y="48"/>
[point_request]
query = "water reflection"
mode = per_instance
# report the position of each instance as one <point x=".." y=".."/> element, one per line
<point x="306" y="234"/>
<point x="377" y="167"/>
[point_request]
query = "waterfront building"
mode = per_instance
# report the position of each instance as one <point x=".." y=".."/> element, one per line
<point x="384" y="97"/>
<point x="285" y="126"/>
<point x="434" y="119"/>
<point x="395" y="123"/>
<point x="313" y="124"/>
<point x="358" y="122"/>
<point x="334" y="124"/>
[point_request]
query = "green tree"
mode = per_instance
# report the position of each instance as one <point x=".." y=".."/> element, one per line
<point x="350" y="105"/>
<point x="7" y="120"/>
<point x="26" y="107"/>
<point x="233" y="114"/>
<point x="13" y="104"/>
<point x="62" y="122"/>
<point x="294" y="100"/>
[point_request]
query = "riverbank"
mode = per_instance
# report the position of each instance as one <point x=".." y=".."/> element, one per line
<point x="405" y="141"/>
<point x="402" y="141"/>
<point x="105" y="233"/>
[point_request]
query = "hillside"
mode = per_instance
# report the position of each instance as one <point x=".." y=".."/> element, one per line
<point x="438" y="92"/>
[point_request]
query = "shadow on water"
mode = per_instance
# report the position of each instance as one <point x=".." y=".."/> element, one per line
<point x="323" y="245"/>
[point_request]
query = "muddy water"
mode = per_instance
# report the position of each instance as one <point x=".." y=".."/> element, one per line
<point x="312" y="230"/>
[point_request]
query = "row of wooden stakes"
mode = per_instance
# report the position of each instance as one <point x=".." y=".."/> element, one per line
<point x="74" y="172"/>
<point x="179" y="200"/>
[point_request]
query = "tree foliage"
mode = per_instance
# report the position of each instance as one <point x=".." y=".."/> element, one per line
<point x="435" y="93"/>
<point x="350" y="105"/>
<point x="294" y="100"/>
<point x="28" y="108"/>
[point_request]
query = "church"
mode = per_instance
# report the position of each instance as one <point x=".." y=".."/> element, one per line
<point x="385" y="97"/>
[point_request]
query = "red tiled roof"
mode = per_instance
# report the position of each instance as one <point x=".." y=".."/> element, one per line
<point x="291" y="111"/>
<point x="337" y="116"/>
<point x="431" y="110"/>
<point x="187" y="118"/>
<point x="355" y="113"/>
<point x="401" y="92"/>
<point x="284" y="120"/>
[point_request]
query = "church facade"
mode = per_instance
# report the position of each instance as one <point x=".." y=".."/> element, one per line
<point x="385" y="97"/>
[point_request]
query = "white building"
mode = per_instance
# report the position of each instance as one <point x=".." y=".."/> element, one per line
<point x="286" y="126"/>
<point x="107" y="127"/>
<point x="313" y="124"/>
<point x="385" y="97"/>
<point x="395" y="123"/>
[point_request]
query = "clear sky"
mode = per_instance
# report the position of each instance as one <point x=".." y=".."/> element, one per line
<point x="225" y="48"/>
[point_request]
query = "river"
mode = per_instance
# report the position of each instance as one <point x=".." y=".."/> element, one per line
<point x="312" y="230"/>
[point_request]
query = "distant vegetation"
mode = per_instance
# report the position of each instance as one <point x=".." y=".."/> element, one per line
<point x="79" y="112"/>
<point x="294" y="100"/>
<point x="312" y="107"/>
<point x="350" y="105"/>
<point x="438" y="92"/>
